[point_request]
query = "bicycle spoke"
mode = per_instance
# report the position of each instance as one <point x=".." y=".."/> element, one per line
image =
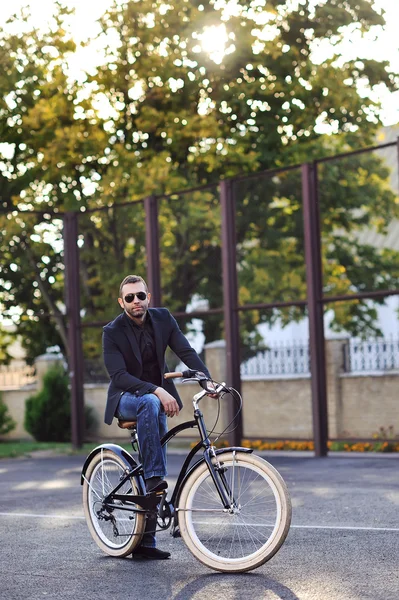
<point x="241" y="493"/>
<point x="248" y="526"/>
<point x="252" y="539"/>
<point x="91" y="487"/>
<point x="260" y="493"/>
<point x="232" y="541"/>
<point x="118" y="529"/>
<point x="246" y="530"/>
<point x="239" y="537"/>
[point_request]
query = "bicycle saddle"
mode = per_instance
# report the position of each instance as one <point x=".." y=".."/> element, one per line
<point x="127" y="424"/>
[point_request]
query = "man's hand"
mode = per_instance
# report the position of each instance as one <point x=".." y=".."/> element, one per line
<point x="169" y="403"/>
<point x="211" y="386"/>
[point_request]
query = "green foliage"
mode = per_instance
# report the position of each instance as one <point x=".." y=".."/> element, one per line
<point x="48" y="413"/>
<point x="386" y="433"/>
<point x="5" y="341"/>
<point x="159" y="113"/>
<point x="91" y="421"/>
<point x="7" y="423"/>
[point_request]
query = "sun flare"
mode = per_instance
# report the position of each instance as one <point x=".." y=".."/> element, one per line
<point x="213" y="41"/>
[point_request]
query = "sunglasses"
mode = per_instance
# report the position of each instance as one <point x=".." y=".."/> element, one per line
<point x="130" y="297"/>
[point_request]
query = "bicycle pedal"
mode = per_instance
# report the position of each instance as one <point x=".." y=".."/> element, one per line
<point x="160" y="488"/>
<point x="176" y="533"/>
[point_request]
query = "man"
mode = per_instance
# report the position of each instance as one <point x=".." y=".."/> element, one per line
<point x="134" y="347"/>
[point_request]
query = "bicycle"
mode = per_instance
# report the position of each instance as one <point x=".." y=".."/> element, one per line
<point x="231" y="508"/>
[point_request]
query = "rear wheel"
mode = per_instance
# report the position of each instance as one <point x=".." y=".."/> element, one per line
<point x="252" y="531"/>
<point x="117" y="532"/>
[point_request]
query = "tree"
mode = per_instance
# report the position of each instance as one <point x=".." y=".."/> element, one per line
<point x="5" y="341"/>
<point x="7" y="423"/>
<point x="355" y="197"/>
<point x="180" y="118"/>
<point x="160" y="114"/>
<point x="43" y="144"/>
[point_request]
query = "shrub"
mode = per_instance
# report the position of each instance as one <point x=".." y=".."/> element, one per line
<point x="91" y="421"/>
<point x="48" y="413"/>
<point x="7" y="424"/>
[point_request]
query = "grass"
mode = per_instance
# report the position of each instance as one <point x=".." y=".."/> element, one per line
<point x="18" y="448"/>
<point x="11" y="449"/>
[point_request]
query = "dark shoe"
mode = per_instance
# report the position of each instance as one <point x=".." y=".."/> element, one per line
<point x="176" y="532"/>
<point x="150" y="553"/>
<point x="152" y="482"/>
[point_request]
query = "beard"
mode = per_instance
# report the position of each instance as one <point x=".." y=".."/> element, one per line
<point x="137" y="311"/>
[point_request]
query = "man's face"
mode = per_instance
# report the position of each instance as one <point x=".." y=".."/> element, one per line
<point x="132" y="305"/>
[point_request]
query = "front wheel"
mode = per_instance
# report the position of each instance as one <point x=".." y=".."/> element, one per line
<point x="251" y="532"/>
<point x="116" y="531"/>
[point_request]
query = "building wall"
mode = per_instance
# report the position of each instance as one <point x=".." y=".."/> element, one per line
<point x="95" y="396"/>
<point x="274" y="407"/>
<point x="370" y="402"/>
<point x="15" y="401"/>
<point x="277" y="408"/>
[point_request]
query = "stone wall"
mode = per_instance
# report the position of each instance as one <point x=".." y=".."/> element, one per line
<point x="277" y="408"/>
<point x="370" y="402"/>
<point x="15" y="399"/>
<point x="273" y="407"/>
<point x="95" y="396"/>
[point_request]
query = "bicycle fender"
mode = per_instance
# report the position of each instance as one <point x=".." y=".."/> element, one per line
<point x="121" y="452"/>
<point x="201" y="460"/>
<point x="237" y="448"/>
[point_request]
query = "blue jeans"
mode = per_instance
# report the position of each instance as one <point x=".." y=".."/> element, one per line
<point x="151" y="426"/>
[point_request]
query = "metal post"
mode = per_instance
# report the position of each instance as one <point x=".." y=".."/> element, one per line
<point x="75" y="354"/>
<point x="311" y="218"/>
<point x="397" y="159"/>
<point x="152" y="247"/>
<point x="230" y="303"/>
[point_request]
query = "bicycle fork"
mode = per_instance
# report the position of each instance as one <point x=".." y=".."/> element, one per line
<point x="215" y="468"/>
<point x="217" y="471"/>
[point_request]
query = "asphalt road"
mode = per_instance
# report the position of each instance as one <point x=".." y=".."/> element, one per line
<point x="343" y="544"/>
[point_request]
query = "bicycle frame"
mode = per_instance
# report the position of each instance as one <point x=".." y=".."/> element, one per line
<point x="232" y="510"/>
<point x="148" y="502"/>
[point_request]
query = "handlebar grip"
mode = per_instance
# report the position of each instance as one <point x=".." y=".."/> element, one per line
<point x="173" y="375"/>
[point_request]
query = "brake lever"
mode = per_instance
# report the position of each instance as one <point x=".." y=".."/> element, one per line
<point x="204" y="384"/>
<point x="197" y="380"/>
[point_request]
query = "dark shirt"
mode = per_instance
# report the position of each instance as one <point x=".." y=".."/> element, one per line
<point x="144" y="335"/>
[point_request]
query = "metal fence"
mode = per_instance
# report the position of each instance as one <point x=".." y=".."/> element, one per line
<point x="293" y="358"/>
<point x="290" y="358"/>
<point x="253" y="223"/>
<point x="280" y="359"/>
<point x="371" y="356"/>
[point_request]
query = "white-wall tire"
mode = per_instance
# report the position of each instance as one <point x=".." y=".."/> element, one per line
<point x="101" y="476"/>
<point x="248" y="538"/>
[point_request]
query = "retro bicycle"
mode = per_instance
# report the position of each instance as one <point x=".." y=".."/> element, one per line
<point x="231" y="508"/>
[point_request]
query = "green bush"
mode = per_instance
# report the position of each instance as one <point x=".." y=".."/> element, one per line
<point x="7" y="424"/>
<point x="91" y="421"/>
<point x="48" y="413"/>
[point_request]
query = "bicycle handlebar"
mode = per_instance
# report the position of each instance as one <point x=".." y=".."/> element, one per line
<point x="199" y="377"/>
<point x="204" y="381"/>
<point x="188" y="374"/>
<point x="173" y="375"/>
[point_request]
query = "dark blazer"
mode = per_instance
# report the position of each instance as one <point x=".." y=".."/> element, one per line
<point x="122" y="357"/>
